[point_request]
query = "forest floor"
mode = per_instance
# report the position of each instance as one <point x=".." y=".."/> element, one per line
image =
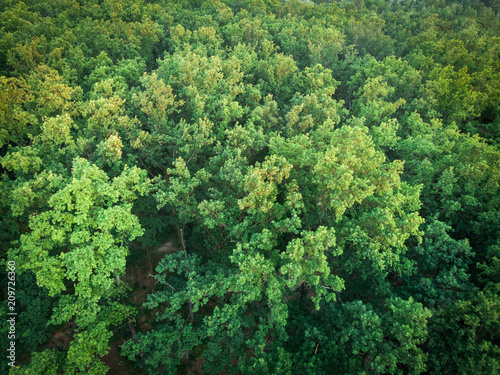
<point x="139" y="277"/>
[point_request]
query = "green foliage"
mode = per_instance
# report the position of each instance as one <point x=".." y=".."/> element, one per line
<point x="355" y="338"/>
<point x="326" y="175"/>
<point x="463" y="337"/>
<point x="77" y="243"/>
<point x="36" y="306"/>
<point x="443" y="275"/>
<point x="46" y="362"/>
<point x="15" y="121"/>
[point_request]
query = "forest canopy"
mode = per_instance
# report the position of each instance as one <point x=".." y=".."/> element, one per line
<point x="250" y="186"/>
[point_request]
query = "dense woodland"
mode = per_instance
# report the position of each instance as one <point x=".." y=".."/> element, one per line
<point x="324" y="179"/>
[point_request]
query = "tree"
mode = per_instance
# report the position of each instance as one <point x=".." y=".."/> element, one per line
<point x="326" y="173"/>
<point x="77" y="250"/>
